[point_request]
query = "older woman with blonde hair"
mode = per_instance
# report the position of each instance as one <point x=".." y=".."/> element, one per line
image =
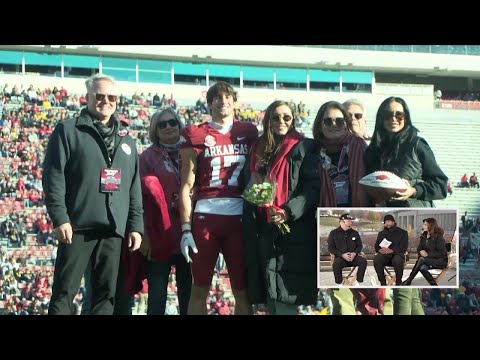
<point x="160" y="177"/>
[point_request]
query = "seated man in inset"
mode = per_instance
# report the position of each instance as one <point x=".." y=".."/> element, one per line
<point x="391" y="246"/>
<point x="345" y="244"/>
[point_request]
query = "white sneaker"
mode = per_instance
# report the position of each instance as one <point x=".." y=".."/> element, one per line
<point x="358" y="284"/>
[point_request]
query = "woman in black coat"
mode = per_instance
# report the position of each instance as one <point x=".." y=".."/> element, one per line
<point x="397" y="148"/>
<point x="432" y="252"/>
<point x="282" y="267"/>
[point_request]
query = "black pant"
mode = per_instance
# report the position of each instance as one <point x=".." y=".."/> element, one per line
<point x="123" y="301"/>
<point x="395" y="260"/>
<point x="422" y="265"/>
<point x="339" y="263"/>
<point x="72" y="260"/>
<point x="157" y="276"/>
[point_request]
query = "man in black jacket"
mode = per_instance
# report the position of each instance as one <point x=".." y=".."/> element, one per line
<point x="391" y="246"/>
<point x="345" y="243"/>
<point x="93" y="196"/>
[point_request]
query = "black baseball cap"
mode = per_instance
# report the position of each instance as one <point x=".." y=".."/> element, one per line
<point x="388" y="217"/>
<point x="346" y="217"/>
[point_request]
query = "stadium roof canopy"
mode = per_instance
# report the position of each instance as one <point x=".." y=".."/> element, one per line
<point x="379" y="58"/>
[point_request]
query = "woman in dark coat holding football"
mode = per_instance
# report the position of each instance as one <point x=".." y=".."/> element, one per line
<point x="395" y="147"/>
<point x="432" y="252"/>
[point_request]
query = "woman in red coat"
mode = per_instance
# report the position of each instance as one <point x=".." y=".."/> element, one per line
<point x="159" y="172"/>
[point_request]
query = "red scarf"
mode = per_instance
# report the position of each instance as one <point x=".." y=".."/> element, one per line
<point x="280" y="169"/>
<point x="355" y="148"/>
<point x="134" y="269"/>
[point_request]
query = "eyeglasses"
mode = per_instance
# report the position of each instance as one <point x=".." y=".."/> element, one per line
<point x="286" y="118"/>
<point x="357" y="116"/>
<point x="339" y="121"/>
<point x="399" y="115"/>
<point x="163" y="124"/>
<point x="101" y="97"/>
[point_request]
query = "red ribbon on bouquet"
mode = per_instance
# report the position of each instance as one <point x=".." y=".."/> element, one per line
<point x="265" y="209"/>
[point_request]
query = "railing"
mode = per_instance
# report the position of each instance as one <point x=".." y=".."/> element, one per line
<point x="432" y="49"/>
<point x="403" y="89"/>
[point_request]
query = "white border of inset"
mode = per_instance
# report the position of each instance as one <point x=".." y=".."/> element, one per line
<point x="456" y="239"/>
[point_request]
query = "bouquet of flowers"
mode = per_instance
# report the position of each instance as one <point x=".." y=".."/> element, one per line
<point x="262" y="193"/>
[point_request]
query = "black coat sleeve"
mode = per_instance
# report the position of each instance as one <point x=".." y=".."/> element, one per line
<point x="135" y="211"/>
<point x="332" y="249"/>
<point x="53" y="178"/>
<point x="434" y="185"/>
<point x="422" y="245"/>
<point x="438" y="249"/>
<point x="306" y="196"/>
<point x="359" y="244"/>
<point x="403" y="244"/>
<point x="371" y="160"/>
<point x="379" y="240"/>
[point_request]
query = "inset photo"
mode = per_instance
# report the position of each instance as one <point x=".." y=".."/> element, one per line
<point x="387" y="247"/>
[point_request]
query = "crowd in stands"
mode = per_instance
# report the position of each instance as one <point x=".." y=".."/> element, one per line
<point x="468" y="182"/>
<point x="470" y="224"/>
<point x="457" y="95"/>
<point x="25" y="286"/>
<point x="462" y="301"/>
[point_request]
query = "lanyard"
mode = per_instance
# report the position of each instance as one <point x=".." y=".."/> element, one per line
<point x="342" y="155"/>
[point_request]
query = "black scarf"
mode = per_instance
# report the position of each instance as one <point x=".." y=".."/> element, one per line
<point x="107" y="132"/>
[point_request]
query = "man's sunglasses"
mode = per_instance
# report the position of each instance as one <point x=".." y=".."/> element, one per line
<point x="357" y="116"/>
<point x="163" y="124"/>
<point x="101" y="97"/>
<point x="399" y="115"/>
<point x="339" y="121"/>
<point x="286" y="118"/>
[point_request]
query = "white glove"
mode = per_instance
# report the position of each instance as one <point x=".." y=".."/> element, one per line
<point x="187" y="241"/>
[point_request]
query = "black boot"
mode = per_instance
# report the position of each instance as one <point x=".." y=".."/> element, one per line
<point x="414" y="272"/>
<point x="426" y="274"/>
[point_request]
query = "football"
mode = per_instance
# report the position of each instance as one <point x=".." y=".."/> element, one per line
<point x="381" y="185"/>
